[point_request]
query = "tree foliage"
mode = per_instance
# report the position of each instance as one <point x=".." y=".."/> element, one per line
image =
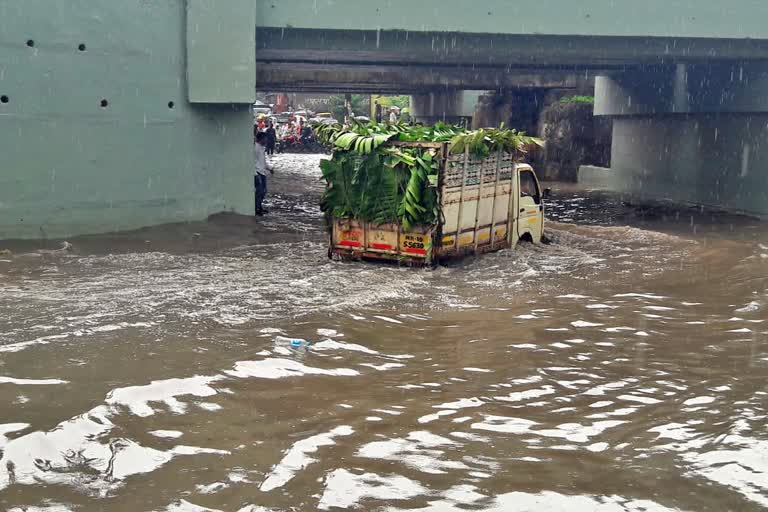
<point x="373" y="181"/>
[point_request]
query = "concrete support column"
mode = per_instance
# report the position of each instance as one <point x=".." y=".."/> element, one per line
<point x="694" y="133"/>
<point x="445" y="106"/>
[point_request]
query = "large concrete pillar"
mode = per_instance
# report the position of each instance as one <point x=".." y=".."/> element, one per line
<point x="445" y="106"/>
<point x="696" y="133"/>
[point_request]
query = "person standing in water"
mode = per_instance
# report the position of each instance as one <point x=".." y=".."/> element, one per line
<point x="260" y="172"/>
<point x="271" y="138"/>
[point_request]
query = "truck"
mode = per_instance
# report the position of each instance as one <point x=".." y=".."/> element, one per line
<point x="486" y="204"/>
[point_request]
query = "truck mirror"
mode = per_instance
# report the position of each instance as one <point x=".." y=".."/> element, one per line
<point x="547" y="193"/>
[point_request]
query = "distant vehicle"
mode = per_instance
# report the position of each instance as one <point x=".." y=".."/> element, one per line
<point x="362" y="119"/>
<point x="324" y="115"/>
<point x="262" y="110"/>
<point x="282" y="117"/>
<point x="306" y="114"/>
<point x="323" y="120"/>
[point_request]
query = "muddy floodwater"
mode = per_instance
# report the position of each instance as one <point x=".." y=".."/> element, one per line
<point x="624" y="367"/>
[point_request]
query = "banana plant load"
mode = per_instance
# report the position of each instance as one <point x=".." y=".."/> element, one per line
<point x="421" y="194"/>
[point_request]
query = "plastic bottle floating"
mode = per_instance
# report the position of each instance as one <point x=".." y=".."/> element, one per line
<point x="293" y="342"/>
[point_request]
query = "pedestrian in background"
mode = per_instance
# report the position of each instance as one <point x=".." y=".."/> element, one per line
<point x="260" y="172"/>
<point x="271" y="138"/>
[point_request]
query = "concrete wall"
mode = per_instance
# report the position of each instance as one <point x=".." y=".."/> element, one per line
<point x="70" y="165"/>
<point x="713" y="159"/>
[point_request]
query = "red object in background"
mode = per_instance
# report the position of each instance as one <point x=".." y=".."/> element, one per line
<point x="281" y="103"/>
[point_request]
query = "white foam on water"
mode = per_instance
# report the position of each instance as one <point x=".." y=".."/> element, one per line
<point x="504" y="424"/>
<point x="640" y="399"/>
<point x="137" y="398"/>
<point x="549" y="501"/>
<point x="339" y="345"/>
<point x="477" y="370"/>
<point x="387" y="411"/>
<point x="186" y="506"/>
<point x="527" y="380"/>
<point x="582" y="323"/>
<point x="749" y="308"/>
<point x="51" y="507"/>
<point x="699" y="400"/>
<point x="602" y="388"/>
<point x="31" y="382"/>
<point x="598" y="447"/>
<point x="384" y="366"/>
<point x="578" y="433"/>
<point x="461" y="404"/>
<point x="518" y="396"/>
<point x="388" y="319"/>
<point x="642" y="295"/>
<point x="196" y="450"/>
<point x="298" y="457"/>
<point x="344" y="489"/>
<point x="212" y="488"/>
<point x="283" y="368"/>
<point x="420" y="450"/>
<point x="432" y="417"/>
<point x="167" y="434"/>
<point x="618" y="329"/>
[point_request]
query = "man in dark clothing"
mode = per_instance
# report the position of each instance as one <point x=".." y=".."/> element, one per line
<point x="378" y="112"/>
<point x="306" y="134"/>
<point x="260" y="172"/>
<point x="271" y="139"/>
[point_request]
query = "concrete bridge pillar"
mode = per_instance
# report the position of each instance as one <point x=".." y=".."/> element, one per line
<point x="695" y="133"/>
<point x="445" y="106"/>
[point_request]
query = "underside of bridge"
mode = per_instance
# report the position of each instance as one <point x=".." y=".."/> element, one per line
<point x="118" y="115"/>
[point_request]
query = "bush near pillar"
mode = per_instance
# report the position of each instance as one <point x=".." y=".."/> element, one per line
<point x="574" y="137"/>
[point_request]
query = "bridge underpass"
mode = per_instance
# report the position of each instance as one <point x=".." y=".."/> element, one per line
<point x="158" y="93"/>
<point x="694" y="76"/>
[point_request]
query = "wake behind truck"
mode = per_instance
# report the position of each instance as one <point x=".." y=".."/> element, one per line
<point x="484" y="203"/>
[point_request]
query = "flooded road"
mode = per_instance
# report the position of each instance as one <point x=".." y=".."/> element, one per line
<point x="621" y="368"/>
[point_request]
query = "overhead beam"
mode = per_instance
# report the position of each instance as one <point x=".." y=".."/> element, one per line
<point x="739" y="19"/>
<point x="410" y="79"/>
<point x="501" y="50"/>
